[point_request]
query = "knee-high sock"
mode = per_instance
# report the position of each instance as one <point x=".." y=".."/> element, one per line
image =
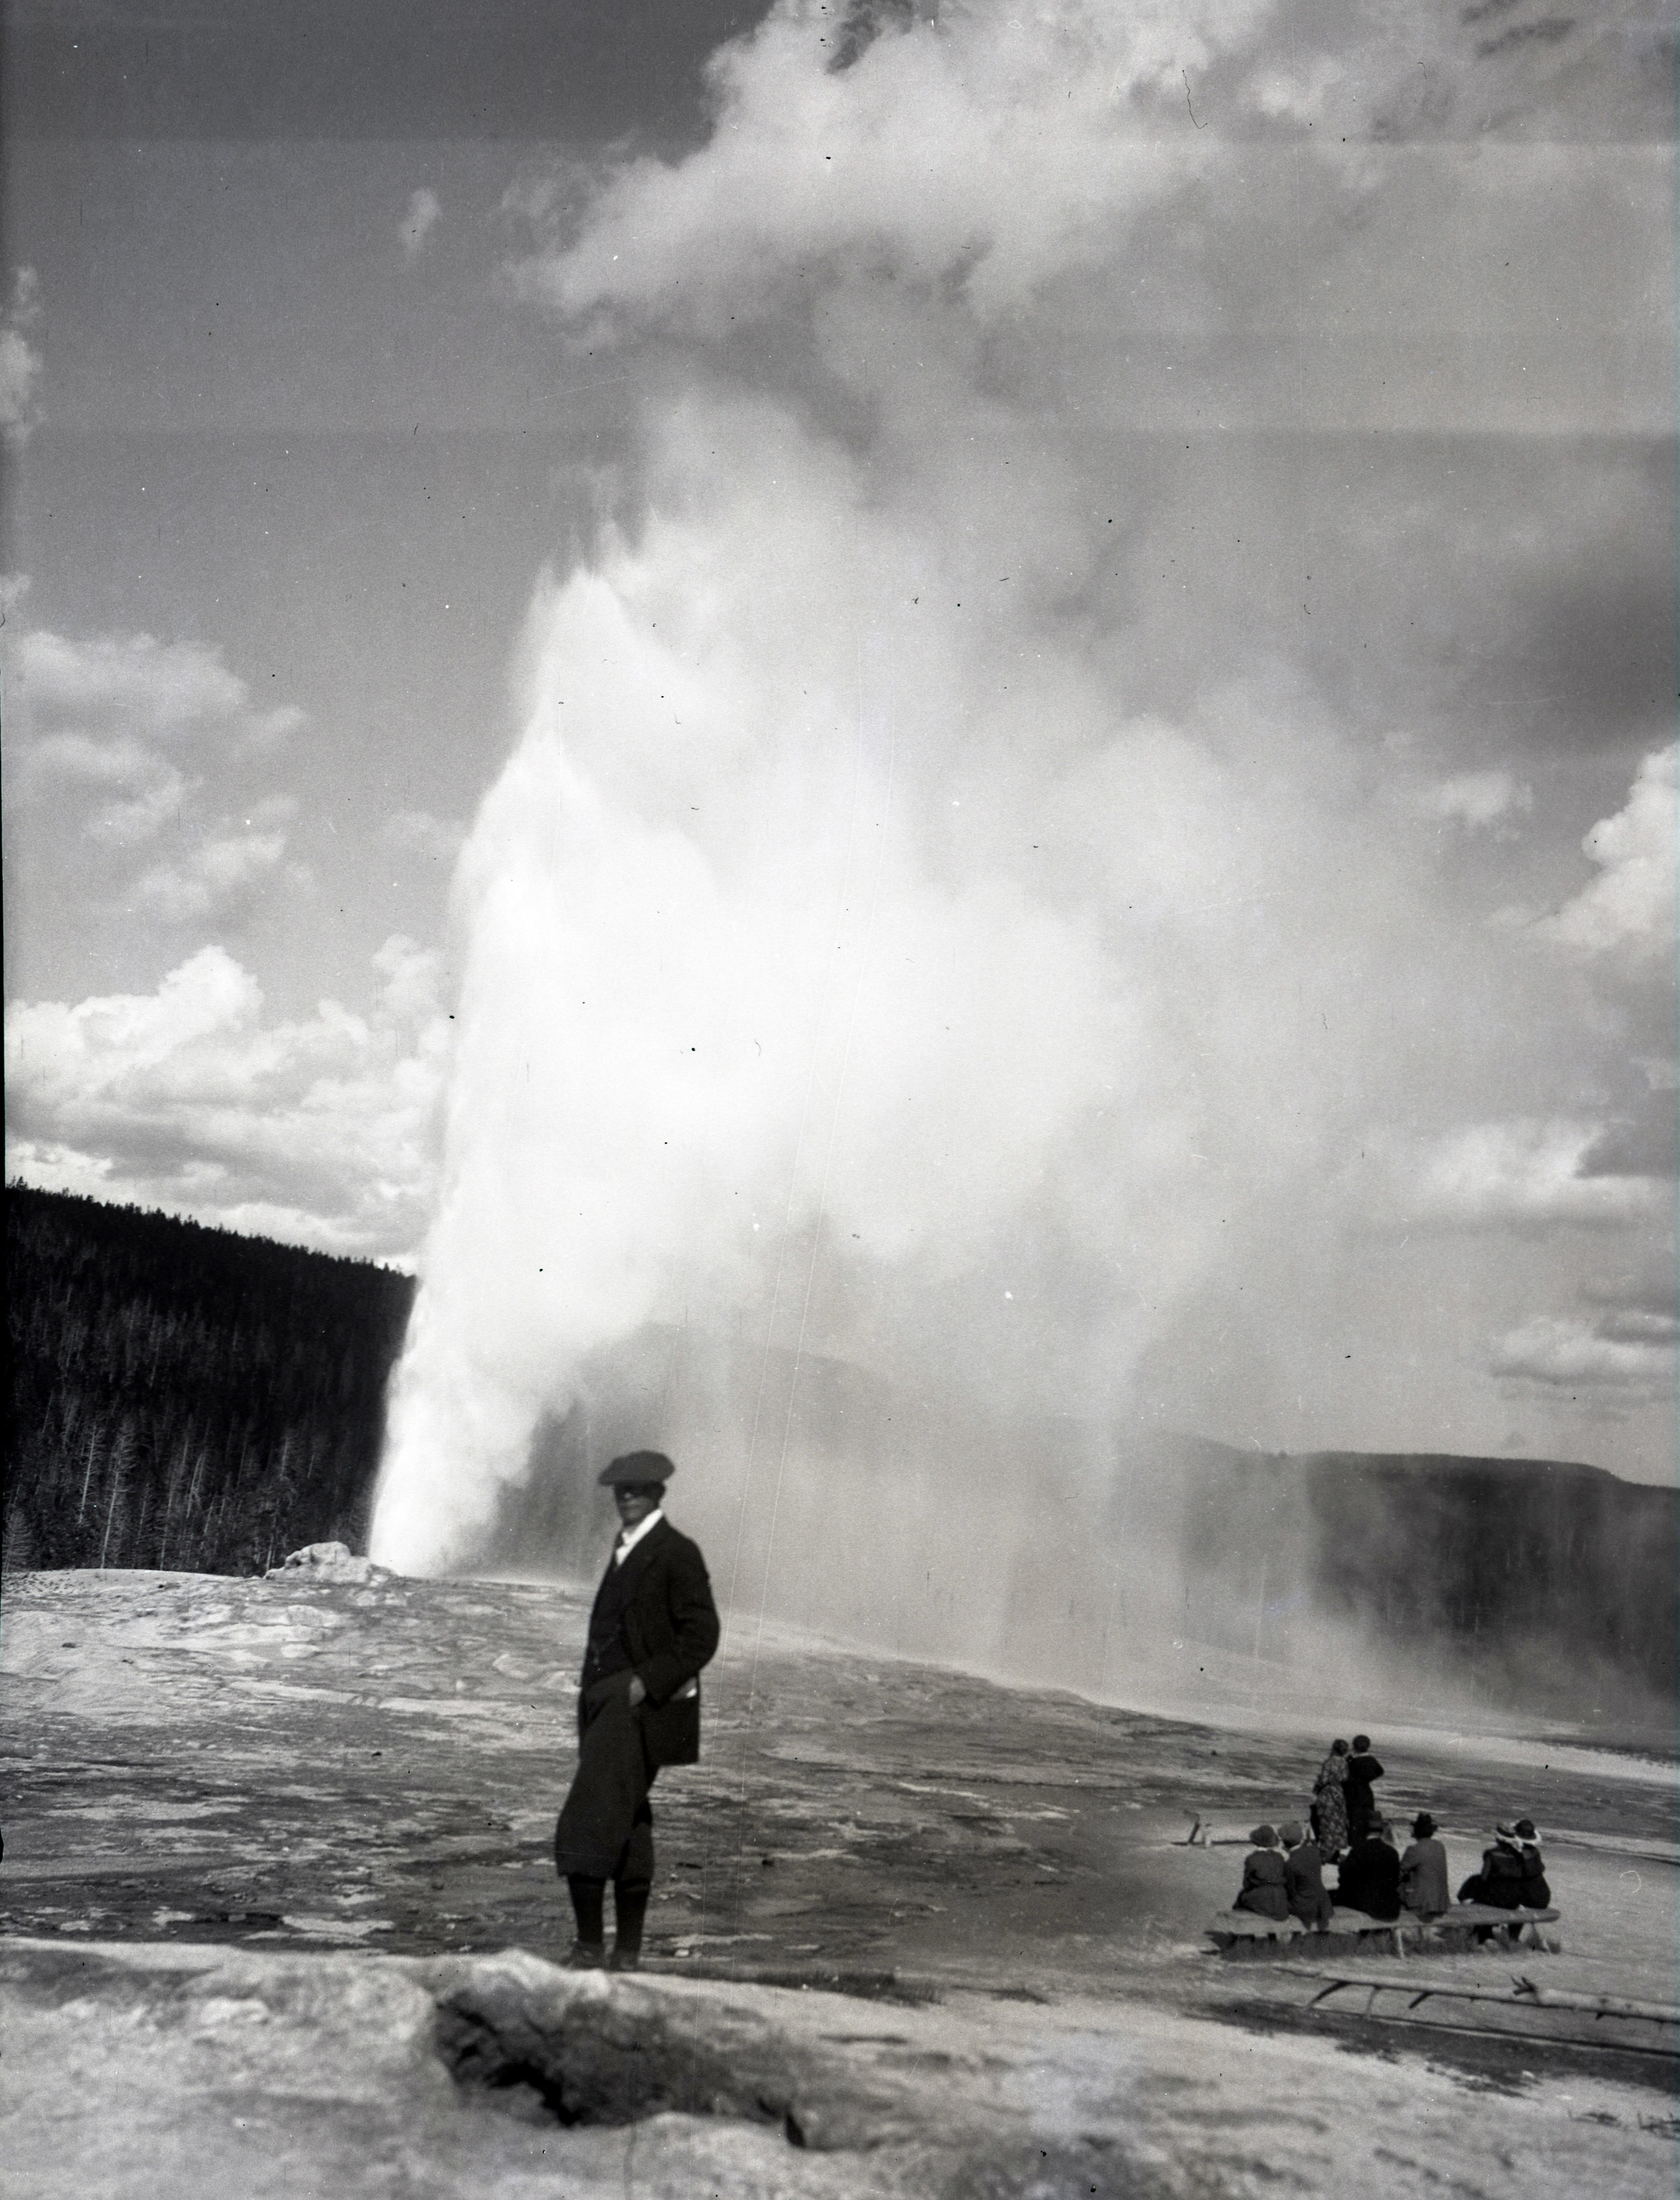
<point x="629" y="1908"/>
<point x="588" y="1900"/>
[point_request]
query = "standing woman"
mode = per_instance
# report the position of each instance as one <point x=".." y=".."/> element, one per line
<point x="1329" y="1807"/>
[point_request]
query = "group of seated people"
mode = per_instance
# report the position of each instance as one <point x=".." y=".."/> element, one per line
<point x="1283" y="1876"/>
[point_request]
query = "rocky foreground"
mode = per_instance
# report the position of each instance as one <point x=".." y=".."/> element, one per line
<point x="278" y="1903"/>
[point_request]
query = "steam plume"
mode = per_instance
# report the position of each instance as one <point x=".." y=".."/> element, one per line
<point x="863" y="958"/>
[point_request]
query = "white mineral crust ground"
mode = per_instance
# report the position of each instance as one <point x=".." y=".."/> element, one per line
<point x="281" y="1920"/>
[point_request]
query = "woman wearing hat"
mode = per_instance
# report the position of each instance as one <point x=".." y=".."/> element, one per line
<point x="1537" y="1894"/>
<point x="1263" y="1890"/>
<point x="1423" y="1871"/>
<point x="1499" y="1883"/>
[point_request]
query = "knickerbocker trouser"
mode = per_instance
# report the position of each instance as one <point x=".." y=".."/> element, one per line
<point x="605" y="1826"/>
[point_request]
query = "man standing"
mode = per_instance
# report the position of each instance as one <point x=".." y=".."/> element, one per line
<point x="653" y="1627"/>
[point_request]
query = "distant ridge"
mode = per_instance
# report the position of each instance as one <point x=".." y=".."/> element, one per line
<point x="183" y="1397"/>
<point x="1552" y="1577"/>
<point x="1413" y="1462"/>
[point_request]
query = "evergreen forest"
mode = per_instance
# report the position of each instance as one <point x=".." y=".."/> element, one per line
<point x="185" y="1398"/>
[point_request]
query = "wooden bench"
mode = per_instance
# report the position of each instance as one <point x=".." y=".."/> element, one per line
<point x="1244" y="1933"/>
<point x="1467" y="1924"/>
<point x="1241" y="1933"/>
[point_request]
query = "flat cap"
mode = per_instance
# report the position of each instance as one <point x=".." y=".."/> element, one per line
<point x="636" y="1469"/>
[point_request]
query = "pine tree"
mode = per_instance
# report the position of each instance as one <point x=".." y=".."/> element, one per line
<point x="182" y="1393"/>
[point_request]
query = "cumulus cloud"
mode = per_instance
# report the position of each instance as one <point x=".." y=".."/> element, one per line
<point x="1613" y="1352"/>
<point x="424" y="212"/>
<point x="141" y="788"/>
<point x="133" y="685"/>
<point x="1520" y="1174"/>
<point x="20" y="360"/>
<point x="1614" y="1363"/>
<point x="1477" y="799"/>
<point x="126" y="732"/>
<point x="191" y="1099"/>
<point x="419" y="833"/>
<point x="1631" y="905"/>
<point x="219" y="874"/>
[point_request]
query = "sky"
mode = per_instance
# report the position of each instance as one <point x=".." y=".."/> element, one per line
<point x="989" y="689"/>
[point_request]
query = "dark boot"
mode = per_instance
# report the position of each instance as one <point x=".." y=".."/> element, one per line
<point x="629" y="1909"/>
<point x="588" y="1903"/>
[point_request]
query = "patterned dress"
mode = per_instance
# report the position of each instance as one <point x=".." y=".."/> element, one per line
<point x="1330" y="1809"/>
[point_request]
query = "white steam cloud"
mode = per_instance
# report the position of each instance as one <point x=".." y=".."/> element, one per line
<point x="850" y="967"/>
<point x="810" y="901"/>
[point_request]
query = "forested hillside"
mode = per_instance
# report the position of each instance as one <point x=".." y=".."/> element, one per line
<point x="183" y="1397"/>
<point x="1542" y="1579"/>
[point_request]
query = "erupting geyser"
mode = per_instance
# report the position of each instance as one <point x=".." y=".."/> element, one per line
<point x="932" y="916"/>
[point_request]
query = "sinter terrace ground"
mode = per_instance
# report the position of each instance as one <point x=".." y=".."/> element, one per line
<point x="914" y="1931"/>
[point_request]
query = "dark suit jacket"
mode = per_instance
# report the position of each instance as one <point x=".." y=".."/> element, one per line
<point x="1369" y="1879"/>
<point x="658" y="1609"/>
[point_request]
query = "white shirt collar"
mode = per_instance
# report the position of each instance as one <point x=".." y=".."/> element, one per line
<point x="629" y="1537"/>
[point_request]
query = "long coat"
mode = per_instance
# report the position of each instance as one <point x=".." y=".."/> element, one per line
<point x="1423" y="1879"/>
<point x="1363" y="1773"/>
<point x="1537" y="1892"/>
<point x="1500" y="1881"/>
<point x="1329" y="1807"/>
<point x="1303" y="1884"/>
<point x="1263" y="1888"/>
<point x="654" y="1616"/>
<point x="1369" y="1879"/>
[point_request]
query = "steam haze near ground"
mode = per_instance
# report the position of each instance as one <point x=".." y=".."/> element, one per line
<point x="989" y="889"/>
